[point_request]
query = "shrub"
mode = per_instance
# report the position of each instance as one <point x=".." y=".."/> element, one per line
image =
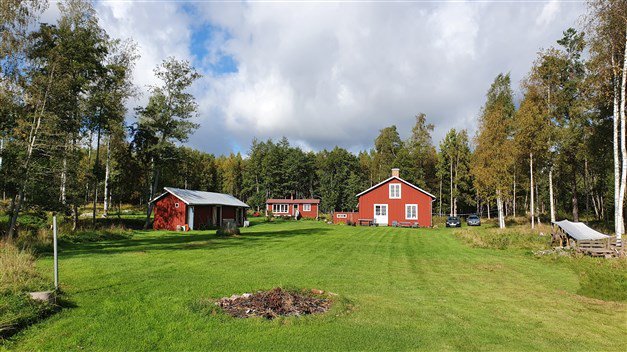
<point x="84" y="236"/>
<point x="229" y="229"/>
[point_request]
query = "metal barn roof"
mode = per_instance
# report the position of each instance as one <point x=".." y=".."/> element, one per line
<point x="191" y="197"/>
<point x="580" y="231"/>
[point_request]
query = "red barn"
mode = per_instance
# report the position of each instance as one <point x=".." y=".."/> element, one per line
<point x="396" y="202"/>
<point x="307" y="208"/>
<point x="197" y="209"/>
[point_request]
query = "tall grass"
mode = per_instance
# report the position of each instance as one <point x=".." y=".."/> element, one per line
<point x="18" y="276"/>
<point x="17" y="270"/>
<point x="517" y="237"/>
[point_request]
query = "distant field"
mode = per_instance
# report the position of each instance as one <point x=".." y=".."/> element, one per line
<point x="398" y="289"/>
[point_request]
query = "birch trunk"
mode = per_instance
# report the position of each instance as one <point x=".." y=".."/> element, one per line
<point x="617" y="163"/>
<point x="623" y="146"/>
<point x="1" y="149"/>
<point x="96" y="172"/>
<point x="514" y="199"/>
<point x="499" y="205"/>
<point x="32" y="138"/>
<point x="551" y="201"/>
<point x="488" y="205"/>
<point x="440" y="196"/>
<point x="64" y="177"/>
<point x="451" y="178"/>
<point x="106" y="180"/>
<point x="532" y="207"/>
<point x="538" y="204"/>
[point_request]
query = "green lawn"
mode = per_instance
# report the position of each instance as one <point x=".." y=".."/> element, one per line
<point x="399" y="289"/>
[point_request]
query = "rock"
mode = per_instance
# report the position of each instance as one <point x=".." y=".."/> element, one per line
<point x="42" y="296"/>
<point x="316" y="292"/>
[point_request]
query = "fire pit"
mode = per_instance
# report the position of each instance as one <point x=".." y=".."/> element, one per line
<point x="276" y="303"/>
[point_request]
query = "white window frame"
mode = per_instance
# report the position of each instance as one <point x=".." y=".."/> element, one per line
<point x="306" y="207"/>
<point x="176" y="205"/>
<point x="415" y="206"/>
<point x="341" y="216"/>
<point x="280" y="208"/>
<point x="392" y="193"/>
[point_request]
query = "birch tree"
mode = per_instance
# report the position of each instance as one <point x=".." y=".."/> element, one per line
<point x="493" y="156"/>
<point x="167" y="115"/>
<point x="607" y="23"/>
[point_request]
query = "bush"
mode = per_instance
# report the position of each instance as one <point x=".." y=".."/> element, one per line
<point x="229" y="229"/>
<point x="84" y="236"/>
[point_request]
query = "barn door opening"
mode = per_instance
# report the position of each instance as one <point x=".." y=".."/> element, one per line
<point x="381" y="214"/>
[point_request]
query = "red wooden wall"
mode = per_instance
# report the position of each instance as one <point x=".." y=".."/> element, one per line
<point x="312" y="214"/>
<point x="167" y="215"/>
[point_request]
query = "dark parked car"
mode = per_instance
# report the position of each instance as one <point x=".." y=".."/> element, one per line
<point x="473" y="220"/>
<point x="453" y="221"/>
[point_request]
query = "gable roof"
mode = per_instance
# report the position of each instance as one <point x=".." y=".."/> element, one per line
<point x="292" y="201"/>
<point x="399" y="179"/>
<point x="580" y="231"/>
<point x="191" y="197"/>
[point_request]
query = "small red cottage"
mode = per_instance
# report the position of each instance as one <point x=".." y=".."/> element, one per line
<point x="197" y="209"/>
<point x="307" y="208"/>
<point x="396" y="202"/>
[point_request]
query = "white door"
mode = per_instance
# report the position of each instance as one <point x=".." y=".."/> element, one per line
<point x="381" y="214"/>
<point x="190" y="217"/>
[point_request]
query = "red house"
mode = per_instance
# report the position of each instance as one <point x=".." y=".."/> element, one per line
<point x="196" y="209"/>
<point x="307" y="208"/>
<point x="396" y="202"/>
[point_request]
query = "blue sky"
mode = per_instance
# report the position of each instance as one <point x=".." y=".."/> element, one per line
<point x="326" y="74"/>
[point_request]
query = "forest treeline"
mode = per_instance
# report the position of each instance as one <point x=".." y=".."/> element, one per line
<point x="558" y="150"/>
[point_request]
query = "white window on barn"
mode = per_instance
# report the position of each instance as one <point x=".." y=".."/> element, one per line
<point x="395" y="190"/>
<point x="279" y="208"/>
<point x="341" y="216"/>
<point x="306" y="207"/>
<point x="176" y="205"/>
<point x="411" y="211"/>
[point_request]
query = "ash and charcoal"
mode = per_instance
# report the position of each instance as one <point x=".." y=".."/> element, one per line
<point x="276" y="303"/>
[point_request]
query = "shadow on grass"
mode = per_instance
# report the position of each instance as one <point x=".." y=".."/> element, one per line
<point x="182" y="241"/>
<point x="10" y="329"/>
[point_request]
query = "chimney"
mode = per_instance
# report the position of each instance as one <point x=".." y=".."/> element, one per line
<point x="395" y="172"/>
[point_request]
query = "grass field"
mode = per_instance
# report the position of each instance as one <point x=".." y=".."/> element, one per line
<point x="398" y="289"/>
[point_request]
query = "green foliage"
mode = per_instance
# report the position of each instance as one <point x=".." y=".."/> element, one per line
<point x="454" y="169"/>
<point x="337" y="169"/>
<point x="387" y="146"/>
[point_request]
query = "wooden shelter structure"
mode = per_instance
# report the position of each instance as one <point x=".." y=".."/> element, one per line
<point x="585" y="239"/>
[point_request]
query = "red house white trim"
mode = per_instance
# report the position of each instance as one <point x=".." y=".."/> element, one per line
<point x="306" y="208"/>
<point x="396" y="201"/>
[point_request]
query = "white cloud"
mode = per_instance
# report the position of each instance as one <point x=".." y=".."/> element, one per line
<point x="548" y="14"/>
<point x="334" y="74"/>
